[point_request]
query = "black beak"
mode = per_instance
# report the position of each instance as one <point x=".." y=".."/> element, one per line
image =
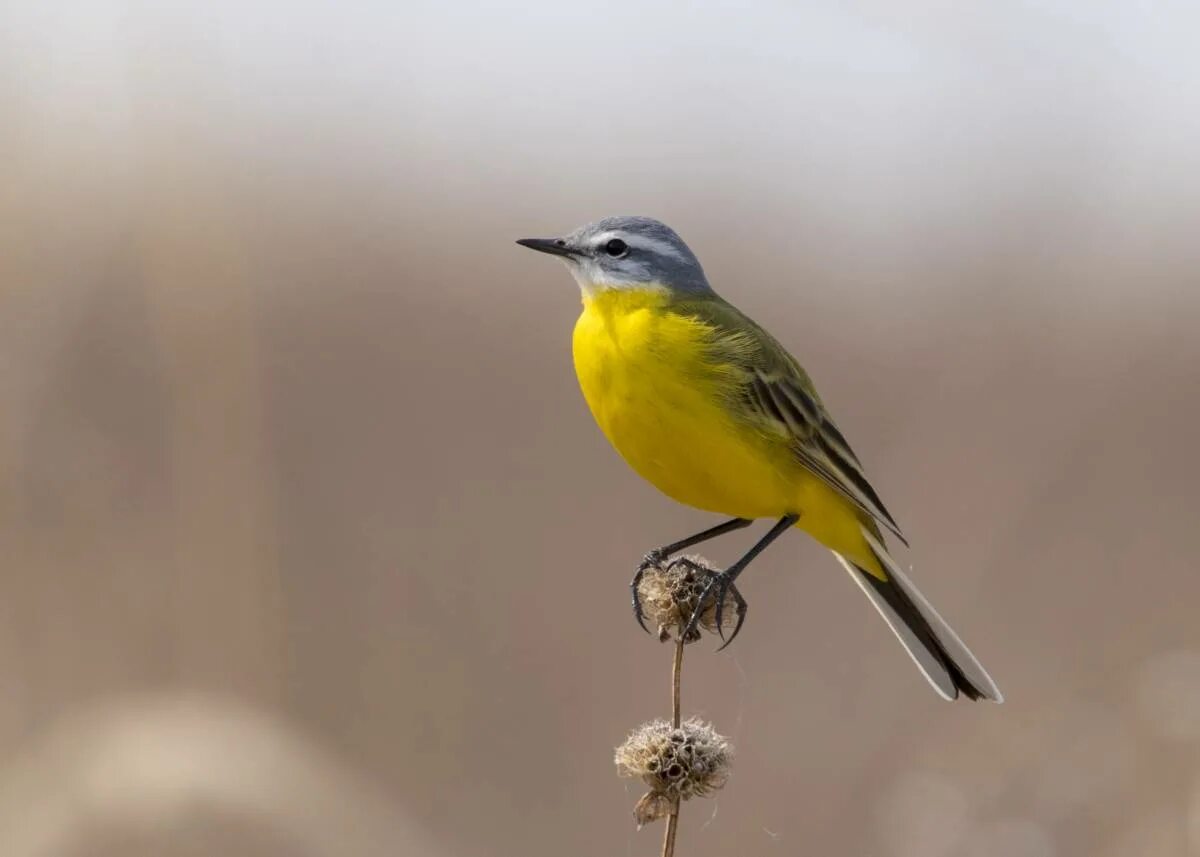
<point x="553" y="246"/>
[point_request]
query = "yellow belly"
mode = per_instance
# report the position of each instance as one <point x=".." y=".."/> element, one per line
<point x="661" y="406"/>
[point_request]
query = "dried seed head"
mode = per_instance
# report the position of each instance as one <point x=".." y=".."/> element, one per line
<point x="671" y="593"/>
<point x="691" y="761"/>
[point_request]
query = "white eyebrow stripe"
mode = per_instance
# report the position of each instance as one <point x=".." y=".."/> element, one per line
<point x="662" y="248"/>
<point x="642" y="242"/>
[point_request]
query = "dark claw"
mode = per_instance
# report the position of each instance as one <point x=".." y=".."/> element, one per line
<point x="723" y="589"/>
<point x="742" y="607"/>
<point x="651" y="560"/>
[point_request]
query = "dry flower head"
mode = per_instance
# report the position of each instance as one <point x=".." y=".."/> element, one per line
<point x="675" y="763"/>
<point x="671" y="593"/>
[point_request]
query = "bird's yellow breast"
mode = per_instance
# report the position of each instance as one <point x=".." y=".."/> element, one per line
<point x="659" y="401"/>
<point x="652" y="384"/>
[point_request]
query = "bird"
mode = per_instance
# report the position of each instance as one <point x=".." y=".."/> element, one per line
<point x="708" y="407"/>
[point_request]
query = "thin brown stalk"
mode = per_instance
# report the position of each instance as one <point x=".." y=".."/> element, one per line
<point x="668" y="849"/>
<point x="676" y="672"/>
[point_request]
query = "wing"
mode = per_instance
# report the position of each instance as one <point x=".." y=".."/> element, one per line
<point x="774" y="393"/>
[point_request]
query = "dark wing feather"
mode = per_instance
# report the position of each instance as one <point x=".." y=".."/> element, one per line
<point x="777" y="394"/>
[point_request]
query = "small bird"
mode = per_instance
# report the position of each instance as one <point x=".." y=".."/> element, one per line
<point x="709" y="408"/>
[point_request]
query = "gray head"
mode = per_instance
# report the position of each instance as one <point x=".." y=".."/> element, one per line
<point x="626" y="253"/>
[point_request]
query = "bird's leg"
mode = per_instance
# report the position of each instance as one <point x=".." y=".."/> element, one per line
<point x="722" y="581"/>
<point x="655" y="558"/>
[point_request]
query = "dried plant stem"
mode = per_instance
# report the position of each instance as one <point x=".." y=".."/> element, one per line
<point x="672" y="826"/>
<point x="668" y="849"/>
<point x="676" y="671"/>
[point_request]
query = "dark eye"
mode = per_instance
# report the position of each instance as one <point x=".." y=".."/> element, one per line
<point x="616" y="247"/>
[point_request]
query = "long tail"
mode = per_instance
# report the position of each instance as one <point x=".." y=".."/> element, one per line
<point x="946" y="662"/>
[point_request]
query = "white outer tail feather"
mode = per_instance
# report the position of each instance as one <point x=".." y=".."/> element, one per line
<point x="927" y="661"/>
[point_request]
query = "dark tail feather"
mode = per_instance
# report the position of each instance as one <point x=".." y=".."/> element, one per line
<point x="944" y="659"/>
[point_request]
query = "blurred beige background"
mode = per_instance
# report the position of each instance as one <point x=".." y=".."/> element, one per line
<point x="310" y="546"/>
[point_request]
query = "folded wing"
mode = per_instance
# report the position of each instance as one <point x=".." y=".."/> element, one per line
<point x="776" y="394"/>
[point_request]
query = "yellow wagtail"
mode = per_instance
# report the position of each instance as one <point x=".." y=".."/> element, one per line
<point x="710" y="409"/>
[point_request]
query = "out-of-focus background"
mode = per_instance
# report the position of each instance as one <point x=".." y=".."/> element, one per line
<point x="310" y="547"/>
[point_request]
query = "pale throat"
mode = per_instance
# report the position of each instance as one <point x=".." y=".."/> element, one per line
<point x="594" y="281"/>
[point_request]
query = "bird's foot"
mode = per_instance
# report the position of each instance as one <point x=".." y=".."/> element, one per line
<point x="720" y="586"/>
